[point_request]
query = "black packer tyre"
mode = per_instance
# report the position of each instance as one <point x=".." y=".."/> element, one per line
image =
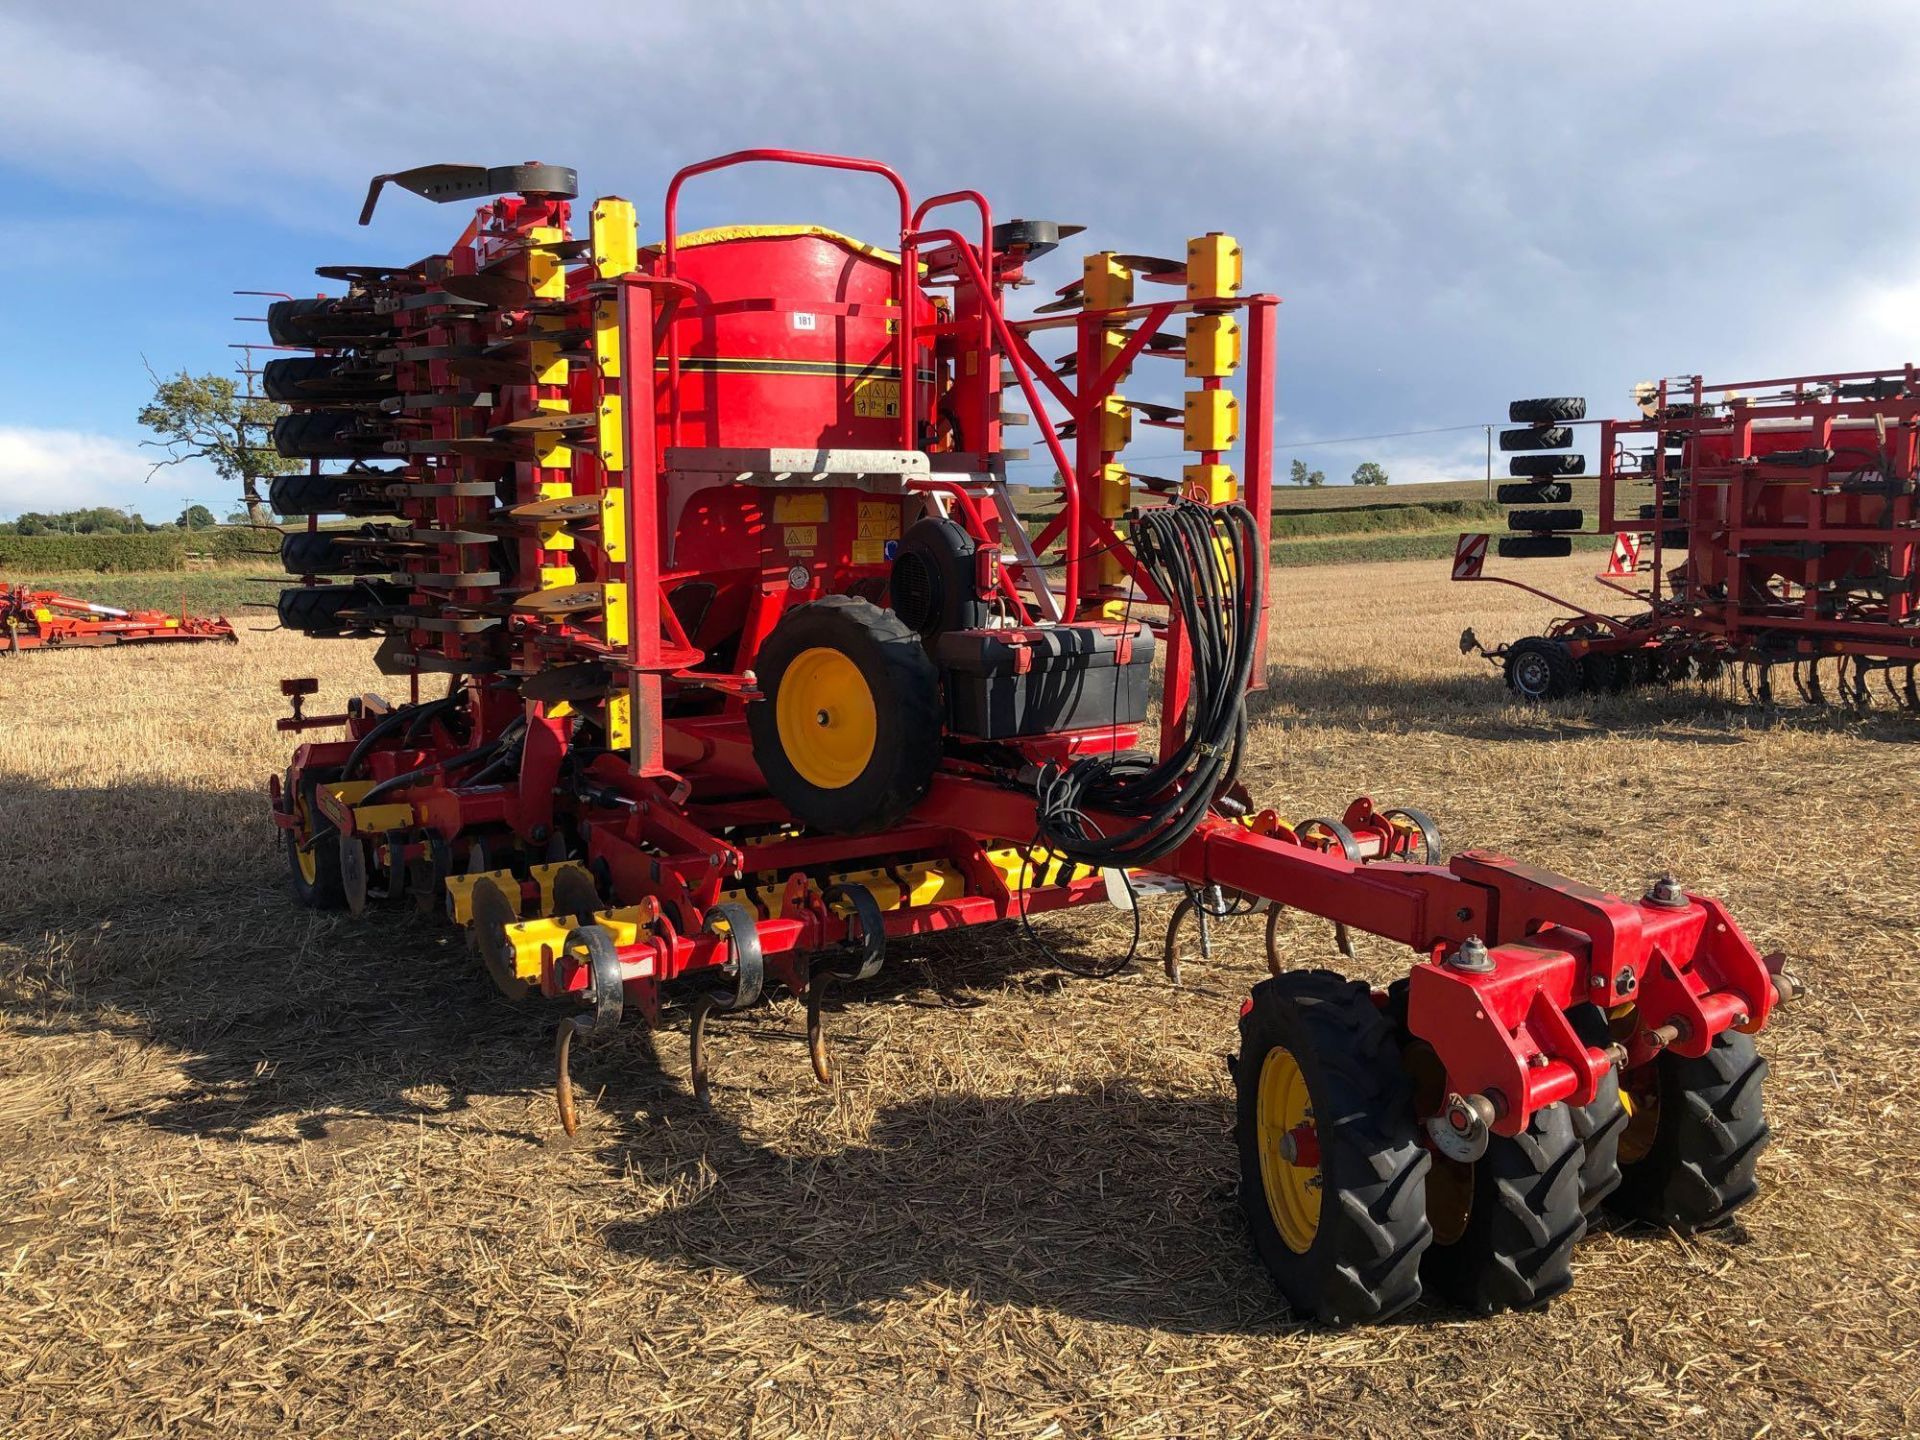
<point x="1513" y="1247"/>
<point x="304" y="494"/>
<point x="1546" y="467"/>
<point x="1550" y="411"/>
<point x="316" y="609"/>
<point x="315" y="553"/>
<point x="1546" y="519"/>
<point x="1598" y="1124"/>
<point x="1694" y="1136"/>
<point x="1539" y="669"/>
<point x="321" y="379"/>
<point x="318" y="320"/>
<point x="1537" y="437"/>
<point x="325" y="435"/>
<point x="1533" y="547"/>
<point x="1539" y="492"/>
<point x="1342" y="1238"/>
<point x="848" y="734"/>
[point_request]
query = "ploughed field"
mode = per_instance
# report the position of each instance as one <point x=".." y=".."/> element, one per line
<point x="265" y="1172"/>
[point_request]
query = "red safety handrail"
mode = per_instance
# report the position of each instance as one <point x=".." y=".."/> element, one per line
<point x="906" y="288"/>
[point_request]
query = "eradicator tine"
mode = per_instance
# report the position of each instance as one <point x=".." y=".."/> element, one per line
<point x="1343" y="938"/>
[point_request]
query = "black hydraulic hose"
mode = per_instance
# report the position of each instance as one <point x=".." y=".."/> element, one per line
<point x="1205" y="558"/>
<point x="370" y="739"/>
<point x="447" y="766"/>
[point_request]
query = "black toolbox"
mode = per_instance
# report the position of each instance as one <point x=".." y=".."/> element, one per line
<point x="1044" y="678"/>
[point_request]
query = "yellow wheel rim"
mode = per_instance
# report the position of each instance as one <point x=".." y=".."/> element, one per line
<point x="826" y="717"/>
<point x="1293" y="1191"/>
<point x="303" y="857"/>
<point x="1643" y="1122"/>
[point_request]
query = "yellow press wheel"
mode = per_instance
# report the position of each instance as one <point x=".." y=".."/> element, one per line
<point x="1332" y="1174"/>
<point x="848" y="730"/>
<point x="312" y="865"/>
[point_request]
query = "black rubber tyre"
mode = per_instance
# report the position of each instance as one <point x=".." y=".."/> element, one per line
<point x="318" y="379"/>
<point x="1537" y="437"/>
<point x="1547" y="412"/>
<point x="1540" y="669"/>
<point x="317" y="887"/>
<point x="1691" y="1164"/>
<point x="904" y="690"/>
<point x="1533" y="547"/>
<point x="323" y="319"/>
<point x="1669" y="511"/>
<point x="318" y="553"/>
<point x="1598" y="1123"/>
<point x="315" y="609"/>
<point x="1542" y="467"/>
<point x="1539" y="492"/>
<point x="1515" y="1251"/>
<point x="324" y="495"/>
<point x="1546" y="519"/>
<point x="1362" y="1262"/>
<point x="1674" y="539"/>
<point x="1601" y="672"/>
<point x="324" y="435"/>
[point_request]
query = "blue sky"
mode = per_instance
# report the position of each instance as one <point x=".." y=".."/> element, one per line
<point x="1459" y="204"/>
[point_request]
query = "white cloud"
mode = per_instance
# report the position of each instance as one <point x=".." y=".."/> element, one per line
<point x="53" y="470"/>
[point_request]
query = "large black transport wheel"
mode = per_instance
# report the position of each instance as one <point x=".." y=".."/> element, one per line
<point x="849" y="732"/>
<point x="1540" y="669"/>
<point x="312" y="865"/>
<point x="1504" y="1226"/>
<point x="1693" y="1137"/>
<point x="1332" y="1174"/>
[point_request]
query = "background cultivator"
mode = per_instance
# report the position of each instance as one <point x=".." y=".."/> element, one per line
<point x="751" y="672"/>
<point x="46" y="619"/>
<point x="1775" y="524"/>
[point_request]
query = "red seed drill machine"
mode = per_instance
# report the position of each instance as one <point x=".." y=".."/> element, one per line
<point x="752" y="670"/>
<point x="1774" y="524"/>
<point x="47" y="620"/>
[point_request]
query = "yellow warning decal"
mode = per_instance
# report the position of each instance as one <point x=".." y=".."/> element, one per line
<point x="806" y="508"/>
<point x="876" y="399"/>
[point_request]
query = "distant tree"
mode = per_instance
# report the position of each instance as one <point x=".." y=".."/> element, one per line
<point x="1300" y="475"/>
<point x="99" y="520"/>
<point x="1369" y="474"/>
<point x="236" y="517"/>
<point x="206" y="417"/>
<point x="197" y="517"/>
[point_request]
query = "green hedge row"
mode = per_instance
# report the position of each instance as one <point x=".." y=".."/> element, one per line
<point x="1382" y="519"/>
<point x="121" y="554"/>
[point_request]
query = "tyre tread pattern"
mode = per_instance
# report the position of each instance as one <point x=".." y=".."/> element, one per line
<point x="1517" y="1252"/>
<point x="1365" y="1262"/>
<point x="1712" y="1130"/>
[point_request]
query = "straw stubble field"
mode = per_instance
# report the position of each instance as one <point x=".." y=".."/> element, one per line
<point x="265" y="1172"/>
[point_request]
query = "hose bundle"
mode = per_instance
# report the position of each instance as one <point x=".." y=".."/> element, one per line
<point x="1205" y="559"/>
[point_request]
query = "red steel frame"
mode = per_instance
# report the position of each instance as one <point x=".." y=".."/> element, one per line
<point x="1500" y="1029"/>
<point x="1766" y="547"/>
<point x="46" y="619"/>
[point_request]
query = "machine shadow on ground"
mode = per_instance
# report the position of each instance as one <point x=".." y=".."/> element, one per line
<point x="267" y="1011"/>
